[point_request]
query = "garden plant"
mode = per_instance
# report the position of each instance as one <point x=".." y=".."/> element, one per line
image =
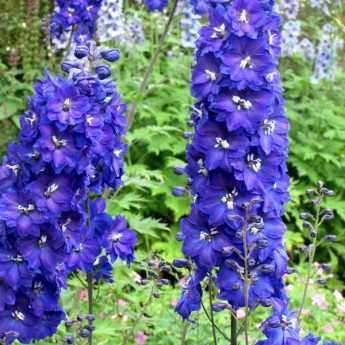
<point x="172" y="172"/>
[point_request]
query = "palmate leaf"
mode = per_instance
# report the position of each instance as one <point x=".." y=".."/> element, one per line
<point x="157" y="138"/>
<point x="140" y="177"/>
<point x="146" y="225"/>
<point x="124" y="202"/>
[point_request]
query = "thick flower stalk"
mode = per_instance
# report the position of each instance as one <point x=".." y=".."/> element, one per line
<point x="77" y="17"/>
<point x="53" y="219"/>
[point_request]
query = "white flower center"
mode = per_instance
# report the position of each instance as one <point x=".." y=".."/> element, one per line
<point x="59" y="142"/>
<point x="26" y="209"/>
<point x="269" y="126"/>
<point x="18" y="315"/>
<point x="229" y="199"/>
<point x="246" y="63"/>
<point x="224" y="144"/>
<point x="14" y="168"/>
<point x="115" y="237"/>
<point x="66" y="104"/>
<point x="202" y="170"/>
<point x="43" y="240"/>
<point x="218" y="32"/>
<point x="50" y="190"/>
<point x="212" y="75"/>
<point x="243" y="17"/>
<point x="254" y="163"/>
<point x="242" y="103"/>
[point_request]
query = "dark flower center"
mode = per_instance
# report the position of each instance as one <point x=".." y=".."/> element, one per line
<point x="66" y="105"/>
<point x="17" y="315"/>
<point x="43" y="241"/>
<point x="59" y="142"/>
<point x="218" y="32"/>
<point x="254" y="163"/>
<point x="50" y="190"/>
<point x="26" y="209"/>
<point x="17" y="259"/>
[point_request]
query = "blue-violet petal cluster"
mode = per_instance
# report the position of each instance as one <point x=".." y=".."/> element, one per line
<point x="236" y="164"/>
<point x="69" y="148"/>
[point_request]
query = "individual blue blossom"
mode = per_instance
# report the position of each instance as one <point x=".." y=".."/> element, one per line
<point x="119" y="240"/>
<point x="281" y="328"/>
<point x="326" y="55"/>
<point x="156" y="5"/>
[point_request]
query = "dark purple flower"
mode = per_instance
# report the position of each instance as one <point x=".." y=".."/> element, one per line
<point x="247" y="62"/>
<point x="20" y="212"/>
<point x="44" y="251"/>
<point x="52" y="194"/>
<point x="221" y="149"/>
<point x="247" y="17"/>
<point x="242" y="109"/>
<point x="191" y="295"/>
<point x="119" y="240"/>
<point x="57" y="147"/>
<point x="202" y="242"/>
<point x="206" y="76"/>
<point x="66" y="105"/>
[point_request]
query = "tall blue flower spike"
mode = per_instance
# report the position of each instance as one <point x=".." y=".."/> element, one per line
<point x="69" y="147"/>
<point x="236" y="167"/>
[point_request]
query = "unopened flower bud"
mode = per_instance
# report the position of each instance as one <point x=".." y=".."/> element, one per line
<point x="330" y="238"/>
<point x="181" y="263"/>
<point x="217" y="307"/>
<point x="103" y="71"/>
<point x="178" y="191"/>
<point x="81" y="51"/>
<point x="180" y="170"/>
<point x="305" y="215"/>
<point x="110" y="54"/>
<point x="187" y="135"/>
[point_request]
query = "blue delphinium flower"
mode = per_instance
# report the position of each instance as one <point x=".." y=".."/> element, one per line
<point x="326" y="55"/>
<point x="69" y="147"/>
<point x="237" y="157"/>
<point x="156" y="5"/>
<point x="236" y="168"/>
<point x="78" y="17"/>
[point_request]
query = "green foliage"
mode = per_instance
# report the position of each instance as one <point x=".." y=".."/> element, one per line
<point x="317" y="116"/>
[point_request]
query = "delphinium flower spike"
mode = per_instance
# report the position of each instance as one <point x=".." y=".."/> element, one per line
<point x="52" y="216"/>
<point x="236" y="165"/>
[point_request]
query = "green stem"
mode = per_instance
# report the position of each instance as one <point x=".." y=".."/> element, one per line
<point x="233" y="329"/>
<point x="90" y="301"/>
<point x="215" y="325"/>
<point x="246" y="277"/>
<point x="312" y="252"/>
<point x="184" y="333"/>
<point x="149" y="69"/>
<point x="214" y="335"/>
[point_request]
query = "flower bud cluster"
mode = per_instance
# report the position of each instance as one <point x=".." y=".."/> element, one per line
<point x="52" y="217"/>
<point x="76" y="16"/>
